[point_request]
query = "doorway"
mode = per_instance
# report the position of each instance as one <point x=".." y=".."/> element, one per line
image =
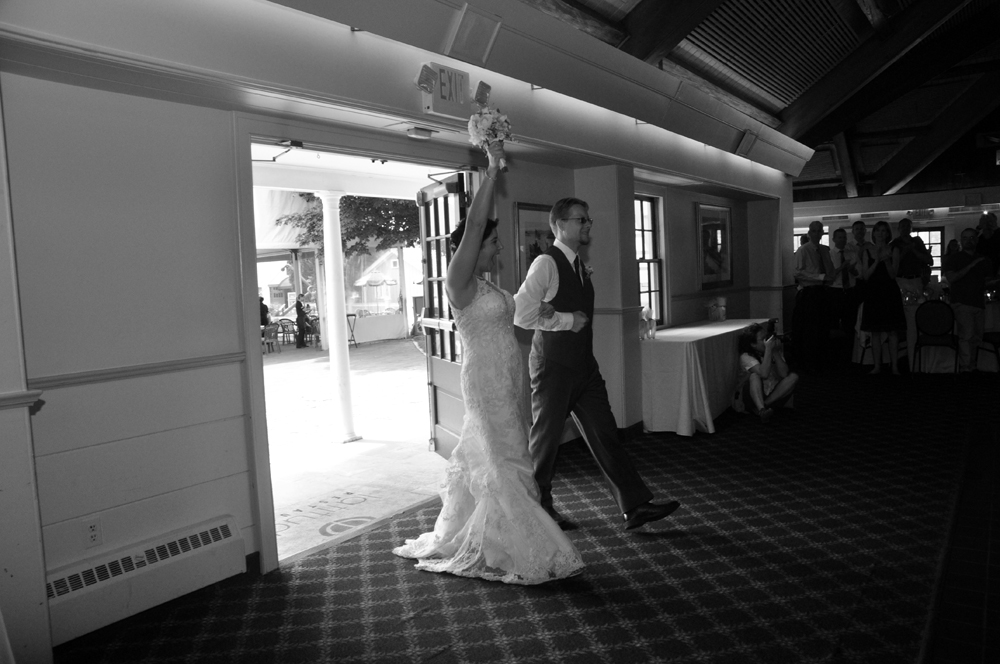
<point x="324" y="490"/>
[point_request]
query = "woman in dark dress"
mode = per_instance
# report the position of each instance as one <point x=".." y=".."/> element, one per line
<point x="301" y="325"/>
<point x="883" y="305"/>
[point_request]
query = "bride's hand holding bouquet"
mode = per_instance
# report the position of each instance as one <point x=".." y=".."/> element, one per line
<point x="488" y="127"/>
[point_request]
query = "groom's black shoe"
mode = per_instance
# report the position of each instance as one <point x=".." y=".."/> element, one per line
<point x="647" y="512"/>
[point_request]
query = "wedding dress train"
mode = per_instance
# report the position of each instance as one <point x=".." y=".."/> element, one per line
<point x="491" y="524"/>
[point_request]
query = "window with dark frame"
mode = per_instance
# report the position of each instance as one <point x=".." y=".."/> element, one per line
<point x="647" y="254"/>
<point x="934" y="240"/>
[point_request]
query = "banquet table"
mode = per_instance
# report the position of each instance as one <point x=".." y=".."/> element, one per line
<point x="689" y="374"/>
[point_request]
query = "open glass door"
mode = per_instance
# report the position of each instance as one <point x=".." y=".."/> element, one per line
<point x="442" y="206"/>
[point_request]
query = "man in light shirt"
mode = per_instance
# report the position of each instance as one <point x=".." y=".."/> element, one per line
<point x="565" y="377"/>
<point x="810" y="320"/>
<point x="845" y="273"/>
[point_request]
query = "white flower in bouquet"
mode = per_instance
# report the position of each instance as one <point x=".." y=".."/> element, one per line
<point x="488" y="126"/>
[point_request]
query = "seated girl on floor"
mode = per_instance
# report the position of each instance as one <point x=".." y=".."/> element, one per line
<point x="764" y="379"/>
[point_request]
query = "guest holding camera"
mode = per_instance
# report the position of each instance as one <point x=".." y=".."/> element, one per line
<point x="764" y="379"/>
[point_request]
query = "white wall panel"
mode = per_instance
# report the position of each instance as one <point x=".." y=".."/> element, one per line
<point x="83" y="415"/>
<point x="147" y="518"/>
<point x="96" y="478"/>
<point x="125" y="227"/>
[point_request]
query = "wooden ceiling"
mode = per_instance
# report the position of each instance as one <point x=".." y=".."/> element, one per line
<point x="895" y="96"/>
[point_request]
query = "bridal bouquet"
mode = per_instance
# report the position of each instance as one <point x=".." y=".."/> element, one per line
<point x="488" y="126"/>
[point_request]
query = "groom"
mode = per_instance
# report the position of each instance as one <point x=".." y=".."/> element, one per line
<point x="564" y="374"/>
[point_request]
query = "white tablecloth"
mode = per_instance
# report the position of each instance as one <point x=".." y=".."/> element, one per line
<point x="689" y="374"/>
<point x="375" y="328"/>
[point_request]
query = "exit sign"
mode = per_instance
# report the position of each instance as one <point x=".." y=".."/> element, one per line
<point x="450" y="97"/>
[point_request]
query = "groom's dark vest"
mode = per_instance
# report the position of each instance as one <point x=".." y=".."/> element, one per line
<point x="568" y="347"/>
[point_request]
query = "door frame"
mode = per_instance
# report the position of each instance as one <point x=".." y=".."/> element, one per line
<point x="248" y="127"/>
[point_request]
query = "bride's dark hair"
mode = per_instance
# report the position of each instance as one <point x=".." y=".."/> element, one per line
<point x="456" y="235"/>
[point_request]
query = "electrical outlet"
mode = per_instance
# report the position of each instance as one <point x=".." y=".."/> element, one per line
<point x="92" y="534"/>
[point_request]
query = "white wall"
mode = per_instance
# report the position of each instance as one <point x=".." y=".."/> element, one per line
<point x="25" y="631"/>
<point x="125" y="223"/>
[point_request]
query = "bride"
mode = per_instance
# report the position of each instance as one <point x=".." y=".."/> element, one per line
<point x="491" y="524"/>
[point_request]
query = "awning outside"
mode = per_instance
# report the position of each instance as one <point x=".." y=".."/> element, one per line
<point x="268" y="206"/>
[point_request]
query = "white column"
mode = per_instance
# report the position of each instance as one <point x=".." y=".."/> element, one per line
<point x="340" y="364"/>
<point x="321" y="302"/>
<point x="23" y="603"/>
<point x="404" y="292"/>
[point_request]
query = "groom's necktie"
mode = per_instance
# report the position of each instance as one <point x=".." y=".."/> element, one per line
<point x="576" y="266"/>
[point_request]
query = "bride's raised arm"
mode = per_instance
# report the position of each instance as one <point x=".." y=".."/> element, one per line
<point x="460" y="282"/>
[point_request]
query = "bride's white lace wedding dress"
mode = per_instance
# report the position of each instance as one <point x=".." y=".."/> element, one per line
<point x="491" y="524"/>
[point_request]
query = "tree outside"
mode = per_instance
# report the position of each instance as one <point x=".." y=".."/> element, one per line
<point x="369" y="226"/>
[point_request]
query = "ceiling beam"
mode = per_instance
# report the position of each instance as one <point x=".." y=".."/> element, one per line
<point x="873" y="13"/>
<point x="716" y="92"/>
<point x="853" y="17"/>
<point x="583" y="18"/>
<point x="866" y="62"/>
<point x="929" y="59"/>
<point x="978" y="101"/>
<point x="895" y="134"/>
<point x="655" y="27"/>
<point x="846" y="168"/>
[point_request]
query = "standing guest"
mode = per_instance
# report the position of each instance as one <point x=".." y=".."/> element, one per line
<point x="764" y="379"/>
<point x="301" y="324"/>
<point x="953" y="248"/>
<point x="565" y="377"/>
<point x="491" y="525"/>
<point x="882" y="314"/>
<point x="265" y="315"/>
<point x="845" y="269"/>
<point x="968" y="274"/>
<point x="813" y="270"/>
<point x="988" y="244"/>
<point x="914" y="261"/>
<point x="856" y="294"/>
<point x="803" y="239"/>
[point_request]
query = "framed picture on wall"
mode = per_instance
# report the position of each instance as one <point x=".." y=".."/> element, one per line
<point x="714" y="245"/>
<point x="534" y="237"/>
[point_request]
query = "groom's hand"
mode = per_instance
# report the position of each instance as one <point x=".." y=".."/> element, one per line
<point x="546" y="310"/>
<point x="580" y="320"/>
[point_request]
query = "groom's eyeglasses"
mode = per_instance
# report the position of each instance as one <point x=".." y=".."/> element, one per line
<point x="582" y="220"/>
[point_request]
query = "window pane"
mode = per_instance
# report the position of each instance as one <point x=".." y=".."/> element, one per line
<point x="638" y="245"/>
<point x="648" y="252"/>
<point x="643" y="277"/>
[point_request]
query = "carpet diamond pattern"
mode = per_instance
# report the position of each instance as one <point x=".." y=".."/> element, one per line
<point x="811" y="539"/>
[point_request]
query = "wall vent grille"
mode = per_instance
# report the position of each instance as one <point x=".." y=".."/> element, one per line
<point x="875" y="215"/>
<point x="836" y="217"/>
<point x="134" y="561"/>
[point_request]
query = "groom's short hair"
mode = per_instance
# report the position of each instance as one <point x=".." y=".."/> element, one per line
<point x="562" y="208"/>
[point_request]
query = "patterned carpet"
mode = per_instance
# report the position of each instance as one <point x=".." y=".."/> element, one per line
<point x="815" y="538"/>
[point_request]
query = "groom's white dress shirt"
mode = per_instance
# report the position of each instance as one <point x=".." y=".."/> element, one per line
<point x="541" y="285"/>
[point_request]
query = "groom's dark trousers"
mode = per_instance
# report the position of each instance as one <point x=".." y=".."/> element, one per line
<point x="565" y="378"/>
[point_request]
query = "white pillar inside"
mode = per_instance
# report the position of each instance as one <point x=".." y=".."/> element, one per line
<point x="340" y="364"/>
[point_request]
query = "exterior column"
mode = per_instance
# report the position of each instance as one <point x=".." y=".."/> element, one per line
<point x="340" y="364"/>
<point x="404" y="291"/>
<point x="321" y="302"/>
